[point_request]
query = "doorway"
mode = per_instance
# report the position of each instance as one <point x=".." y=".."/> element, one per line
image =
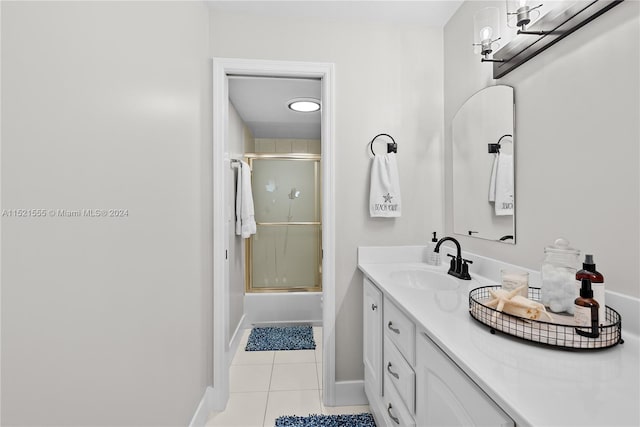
<point x="222" y="344"/>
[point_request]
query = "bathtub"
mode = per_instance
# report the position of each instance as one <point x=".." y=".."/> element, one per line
<point x="282" y="308"/>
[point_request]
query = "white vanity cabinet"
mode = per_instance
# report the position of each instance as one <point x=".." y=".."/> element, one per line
<point x="389" y="356"/>
<point x="446" y="396"/>
<point x="409" y="380"/>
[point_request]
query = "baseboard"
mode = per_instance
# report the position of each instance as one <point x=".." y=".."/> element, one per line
<point x="350" y="393"/>
<point x="235" y="340"/>
<point x="204" y="409"/>
<point x="212" y="399"/>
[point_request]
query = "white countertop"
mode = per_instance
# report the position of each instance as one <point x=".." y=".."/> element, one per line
<point x="535" y="385"/>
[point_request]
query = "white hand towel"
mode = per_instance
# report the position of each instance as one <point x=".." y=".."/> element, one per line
<point x="384" y="195"/>
<point x="245" y="219"/>
<point x="504" y="185"/>
<point x="239" y="201"/>
<point x="492" y="180"/>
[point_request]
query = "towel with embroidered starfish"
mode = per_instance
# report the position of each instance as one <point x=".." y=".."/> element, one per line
<point x="384" y="194"/>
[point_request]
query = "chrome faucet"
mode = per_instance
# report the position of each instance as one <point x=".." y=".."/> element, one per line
<point x="459" y="266"/>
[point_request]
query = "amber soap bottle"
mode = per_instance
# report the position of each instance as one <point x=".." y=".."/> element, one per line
<point x="597" y="285"/>
<point x="586" y="312"/>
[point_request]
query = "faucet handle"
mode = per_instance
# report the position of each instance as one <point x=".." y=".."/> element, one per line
<point x="464" y="273"/>
<point x="452" y="265"/>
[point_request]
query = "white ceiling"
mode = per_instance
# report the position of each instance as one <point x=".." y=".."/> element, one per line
<point x="263" y="105"/>
<point x="425" y="12"/>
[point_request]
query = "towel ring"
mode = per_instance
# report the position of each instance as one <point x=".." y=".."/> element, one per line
<point x="495" y="148"/>
<point x="392" y="147"/>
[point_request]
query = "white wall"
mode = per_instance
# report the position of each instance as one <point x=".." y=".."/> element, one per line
<point x="388" y="79"/>
<point x="106" y="321"/>
<point x="576" y="130"/>
<point x="237" y="131"/>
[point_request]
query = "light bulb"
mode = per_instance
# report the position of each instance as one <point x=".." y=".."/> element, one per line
<point x="486" y="33"/>
<point x="522" y="3"/>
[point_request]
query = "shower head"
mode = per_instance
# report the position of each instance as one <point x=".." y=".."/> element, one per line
<point x="294" y="194"/>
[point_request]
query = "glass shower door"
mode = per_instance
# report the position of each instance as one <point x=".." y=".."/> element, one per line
<point x="285" y="253"/>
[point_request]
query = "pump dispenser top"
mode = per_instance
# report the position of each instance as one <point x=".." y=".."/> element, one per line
<point x="588" y="263"/>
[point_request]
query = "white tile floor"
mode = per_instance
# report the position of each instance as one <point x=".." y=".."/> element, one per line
<point x="265" y="385"/>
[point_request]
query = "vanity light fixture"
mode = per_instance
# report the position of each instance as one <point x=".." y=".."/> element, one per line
<point x="520" y="13"/>
<point x="304" y="105"/>
<point x="486" y="30"/>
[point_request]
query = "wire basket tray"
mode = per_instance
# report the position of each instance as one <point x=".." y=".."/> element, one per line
<point x="560" y="333"/>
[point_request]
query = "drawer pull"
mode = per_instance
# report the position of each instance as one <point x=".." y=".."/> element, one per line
<point x="373" y="307"/>
<point x="397" y="331"/>
<point x="391" y="372"/>
<point x="395" y="419"/>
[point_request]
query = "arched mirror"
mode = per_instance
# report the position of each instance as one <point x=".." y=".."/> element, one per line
<point x="483" y="166"/>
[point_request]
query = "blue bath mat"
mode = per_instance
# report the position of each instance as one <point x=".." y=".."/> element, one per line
<point x="358" y="420"/>
<point x="281" y="338"/>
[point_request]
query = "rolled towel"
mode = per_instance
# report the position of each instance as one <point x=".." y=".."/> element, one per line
<point x="384" y="194"/>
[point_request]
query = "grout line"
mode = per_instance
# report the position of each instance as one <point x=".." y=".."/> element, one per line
<point x="315" y="367"/>
<point x="320" y="402"/>
<point x="318" y="389"/>
<point x="264" y="417"/>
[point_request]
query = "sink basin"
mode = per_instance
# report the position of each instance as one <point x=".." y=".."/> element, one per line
<point x="425" y="279"/>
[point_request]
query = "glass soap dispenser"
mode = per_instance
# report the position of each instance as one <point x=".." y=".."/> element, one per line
<point x="558" y="290"/>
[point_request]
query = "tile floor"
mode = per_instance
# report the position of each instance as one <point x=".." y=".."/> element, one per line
<point x="267" y="384"/>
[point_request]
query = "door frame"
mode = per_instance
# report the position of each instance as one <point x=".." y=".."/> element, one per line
<point x="267" y="68"/>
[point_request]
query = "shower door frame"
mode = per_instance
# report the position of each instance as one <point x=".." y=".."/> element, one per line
<point x="318" y="199"/>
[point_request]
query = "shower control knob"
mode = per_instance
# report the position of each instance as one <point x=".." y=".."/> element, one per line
<point x="373" y="307"/>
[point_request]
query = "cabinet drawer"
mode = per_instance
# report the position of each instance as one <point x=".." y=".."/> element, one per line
<point x="398" y="372"/>
<point x="400" y="330"/>
<point x="394" y="410"/>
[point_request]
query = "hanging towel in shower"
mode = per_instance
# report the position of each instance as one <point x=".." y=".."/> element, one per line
<point x="503" y="184"/>
<point x="384" y="195"/>
<point x="245" y="220"/>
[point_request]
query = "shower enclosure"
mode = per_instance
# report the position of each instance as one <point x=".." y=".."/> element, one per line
<point x="285" y="255"/>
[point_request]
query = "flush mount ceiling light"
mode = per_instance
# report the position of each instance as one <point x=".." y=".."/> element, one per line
<point x="304" y="105"/>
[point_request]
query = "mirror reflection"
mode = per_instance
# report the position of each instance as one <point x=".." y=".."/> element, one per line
<point x="483" y="166"/>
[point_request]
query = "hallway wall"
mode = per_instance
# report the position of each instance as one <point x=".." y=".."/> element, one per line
<point x="106" y="105"/>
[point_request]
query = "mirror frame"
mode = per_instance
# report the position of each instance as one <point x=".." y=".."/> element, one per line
<point x="469" y="233"/>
